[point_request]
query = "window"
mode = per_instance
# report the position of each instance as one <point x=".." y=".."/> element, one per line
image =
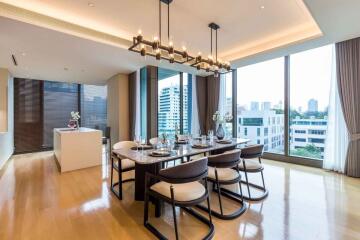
<point x="94" y="106"/>
<point x="226" y="99"/>
<point x="41" y="106"/>
<point x="300" y="139"/>
<point x="174" y="102"/>
<point x="245" y="132"/>
<point x="316" y="140"/>
<point x="260" y="91"/>
<point x="310" y="74"/>
<point x="187" y="102"/>
<point x="59" y="100"/>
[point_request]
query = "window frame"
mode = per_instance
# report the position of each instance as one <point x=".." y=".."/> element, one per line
<point x="284" y="157"/>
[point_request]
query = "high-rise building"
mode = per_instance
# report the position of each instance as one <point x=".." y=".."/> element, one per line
<point x="262" y="127"/>
<point x="169" y="109"/>
<point x="312" y="105"/>
<point x="254" y="106"/>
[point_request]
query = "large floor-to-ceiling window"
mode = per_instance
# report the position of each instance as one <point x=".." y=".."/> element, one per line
<point x="294" y="87"/>
<point x="310" y="74"/>
<point x="260" y="104"/>
<point x="174" y="102"/>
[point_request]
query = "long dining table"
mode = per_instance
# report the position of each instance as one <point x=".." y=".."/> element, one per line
<point x="144" y="162"/>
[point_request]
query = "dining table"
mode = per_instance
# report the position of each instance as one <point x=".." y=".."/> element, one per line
<point x="146" y="162"/>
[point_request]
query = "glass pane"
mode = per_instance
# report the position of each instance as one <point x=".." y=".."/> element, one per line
<point x="94" y="107"/>
<point x="310" y="75"/>
<point x="168" y="101"/>
<point x="225" y="107"/>
<point x="187" y="101"/>
<point x="260" y="108"/>
<point x="59" y="100"/>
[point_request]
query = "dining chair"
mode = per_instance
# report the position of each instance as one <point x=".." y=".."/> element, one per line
<point x="121" y="166"/>
<point x="180" y="186"/>
<point x="223" y="170"/>
<point x="251" y="163"/>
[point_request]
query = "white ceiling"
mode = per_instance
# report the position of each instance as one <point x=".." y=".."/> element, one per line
<point x="248" y="33"/>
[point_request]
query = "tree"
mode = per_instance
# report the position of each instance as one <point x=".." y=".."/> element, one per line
<point x="310" y="151"/>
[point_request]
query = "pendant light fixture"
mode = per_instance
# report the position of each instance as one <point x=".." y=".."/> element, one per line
<point x="159" y="51"/>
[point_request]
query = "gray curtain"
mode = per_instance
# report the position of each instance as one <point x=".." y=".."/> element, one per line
<point x="207" y="92"/>
<point x="132" y="104"/>
<point x="348" y="76"/>
<point x="201" y="89"/>
<point x="213" y="93"/>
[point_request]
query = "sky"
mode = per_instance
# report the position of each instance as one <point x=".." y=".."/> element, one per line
<point x="310" y="75"/>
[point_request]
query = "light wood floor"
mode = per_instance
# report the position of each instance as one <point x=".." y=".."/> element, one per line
<point x="36" y="202"/>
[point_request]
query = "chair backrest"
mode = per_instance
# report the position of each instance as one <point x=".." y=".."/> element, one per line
<point x="124" y="145"/>
<point x="154" y="141"/>
<point x="227" y="159"/>
<point x="186" y="172"/>
<point x="252" y="151"/>
<point x="108" y="132"/>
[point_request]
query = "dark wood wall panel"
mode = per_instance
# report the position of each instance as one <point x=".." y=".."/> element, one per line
<point x="28" y="117"/>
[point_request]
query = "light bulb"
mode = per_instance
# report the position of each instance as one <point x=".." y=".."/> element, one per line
<point x="156" y="38"/>
<point x="171" y="43"/>
<point x="183" y="48"/>
<point x="139" y="32"/>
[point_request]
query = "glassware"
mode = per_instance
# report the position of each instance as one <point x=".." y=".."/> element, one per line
<point x="203" y="139"/>
<point x="143" y="142"/>
<point x="137" y="141"/>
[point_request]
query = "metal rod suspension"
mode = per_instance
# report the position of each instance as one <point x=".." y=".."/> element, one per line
<point x="211" y="43"/>
<point x="216" y="44"/>
<point x="160" y="21"/>
<point x="168" y="22"/>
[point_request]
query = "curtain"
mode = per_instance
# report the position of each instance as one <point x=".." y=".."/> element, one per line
<point x="336" y="135"/>
<point x="348" y="77"/>
<point x="137" y="108"/>
<point x="195" y="127"/>
<point x="201" y="93"/>
<point x="213" y="92"/>
<point x="132" y="103"/>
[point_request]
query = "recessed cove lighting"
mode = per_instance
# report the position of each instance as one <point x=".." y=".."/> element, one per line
<point x="91" y="4"/>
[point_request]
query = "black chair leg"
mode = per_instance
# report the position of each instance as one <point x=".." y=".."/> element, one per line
<point x="247" y="183"/>
<point x="174" y="212"/>
<point x="241" y="192"/>
<point x="219" y="196"/>
<point x="120" y="182"/>
<point x="262" y="177"/>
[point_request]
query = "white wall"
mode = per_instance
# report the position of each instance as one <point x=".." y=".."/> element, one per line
<point x="118" y="107"/>
<point x="7" y="139"/>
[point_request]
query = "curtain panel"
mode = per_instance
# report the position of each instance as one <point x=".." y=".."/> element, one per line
<point x="348" y="77"/>
<point x="208" y="90"/>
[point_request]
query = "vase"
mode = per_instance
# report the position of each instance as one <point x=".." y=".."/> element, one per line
<point x="220" y="133"/>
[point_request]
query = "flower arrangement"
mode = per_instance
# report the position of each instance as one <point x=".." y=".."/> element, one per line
<point x="75" y="115"/>
<point x="74" y="122"/>
<point x="219" y="119"/>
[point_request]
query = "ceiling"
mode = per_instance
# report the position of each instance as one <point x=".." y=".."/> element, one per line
<point x="91" y="41"/>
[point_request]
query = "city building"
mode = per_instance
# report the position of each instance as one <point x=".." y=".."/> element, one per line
<point x="313" y="105"/>
<point x="305" y="132"/>
<point x="262" y="126"/>
<point x="169" y="109"/>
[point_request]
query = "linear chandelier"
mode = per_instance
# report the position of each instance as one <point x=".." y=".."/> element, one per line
<point x="159" y="51"/>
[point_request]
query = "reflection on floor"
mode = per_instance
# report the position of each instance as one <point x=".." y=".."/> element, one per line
<point x="36" y="202"/>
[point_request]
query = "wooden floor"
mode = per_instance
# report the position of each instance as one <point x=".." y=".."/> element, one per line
<point x="36" y="202"/>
